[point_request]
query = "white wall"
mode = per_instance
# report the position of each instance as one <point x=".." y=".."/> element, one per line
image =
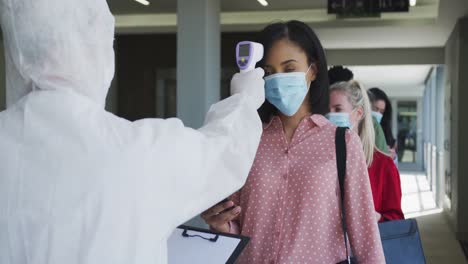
<point x="457" y="122"/>
<point x="412" y="92"/>
<point x="402" y="56"/>
<point x="198" y="59"/>
<point x="2" y="76"/>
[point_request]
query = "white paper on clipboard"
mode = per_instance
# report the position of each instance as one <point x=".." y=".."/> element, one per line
<point x="196" y="250"/>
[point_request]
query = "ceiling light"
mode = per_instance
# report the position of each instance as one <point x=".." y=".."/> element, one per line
<point x="143" y="2"/>
<point x="263" y="2"/>
<point x="412" y="2"/>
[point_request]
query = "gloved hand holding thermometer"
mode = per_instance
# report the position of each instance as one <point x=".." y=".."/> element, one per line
<point x="250" y="79"/>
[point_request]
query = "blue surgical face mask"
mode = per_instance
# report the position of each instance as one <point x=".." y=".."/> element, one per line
<point x="340" y="119"/>
<point x="286" y="91"/>
<point x="377" y="116"/>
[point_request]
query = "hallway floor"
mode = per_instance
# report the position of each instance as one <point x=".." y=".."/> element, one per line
<point x="439" y="242"/>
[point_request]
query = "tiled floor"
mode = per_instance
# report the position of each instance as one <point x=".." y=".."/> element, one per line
<point x="417" y="196"/>
<point x="439" y="243"/>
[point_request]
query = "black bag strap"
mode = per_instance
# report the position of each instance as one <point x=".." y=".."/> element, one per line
<point x="340" y="146"/>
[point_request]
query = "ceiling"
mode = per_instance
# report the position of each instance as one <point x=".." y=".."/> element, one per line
<point x="428" y="24"/>
<point x="170" y="6"/>
<point x="397" y="80"/>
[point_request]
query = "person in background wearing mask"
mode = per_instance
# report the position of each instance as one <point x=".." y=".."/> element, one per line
<point x="382" y="108"/>
<point x="341" y="74"/>
<point x="290" y="205"/>
<point x="79" y="185"/>
<point x="350" y="107"/>
<point x="380" y="140"/>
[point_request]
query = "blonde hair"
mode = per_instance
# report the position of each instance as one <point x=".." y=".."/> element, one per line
<point x="357" y="96"/>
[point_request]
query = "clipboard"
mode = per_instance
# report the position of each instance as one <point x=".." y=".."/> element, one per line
<point x="202" y="246"/>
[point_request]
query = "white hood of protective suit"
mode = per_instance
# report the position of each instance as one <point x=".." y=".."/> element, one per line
<point x="58" y="44"/>
<point x="79" y="185"/>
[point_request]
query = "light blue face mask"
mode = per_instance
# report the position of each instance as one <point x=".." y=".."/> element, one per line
<point x="340" y="119"/>
<point x="286" y="91"/>
<point x="377" y="116"/>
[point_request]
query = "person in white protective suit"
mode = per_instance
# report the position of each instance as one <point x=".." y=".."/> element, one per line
<point x="80" y="185"/>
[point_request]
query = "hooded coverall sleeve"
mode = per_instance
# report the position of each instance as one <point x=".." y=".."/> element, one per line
<point x="195" y="169"/>
<point x="79" y="185"/>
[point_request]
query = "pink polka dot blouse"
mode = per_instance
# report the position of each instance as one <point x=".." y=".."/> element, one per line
<point x="291" y="201"/>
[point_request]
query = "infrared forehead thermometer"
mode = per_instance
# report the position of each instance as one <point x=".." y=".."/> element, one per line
<point x="248" y="53"/>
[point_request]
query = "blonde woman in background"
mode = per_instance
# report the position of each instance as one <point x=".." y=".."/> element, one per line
<point x="350" y="107"/>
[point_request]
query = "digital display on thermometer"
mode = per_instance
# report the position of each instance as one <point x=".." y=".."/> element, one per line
<point x="244" y="50"/>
